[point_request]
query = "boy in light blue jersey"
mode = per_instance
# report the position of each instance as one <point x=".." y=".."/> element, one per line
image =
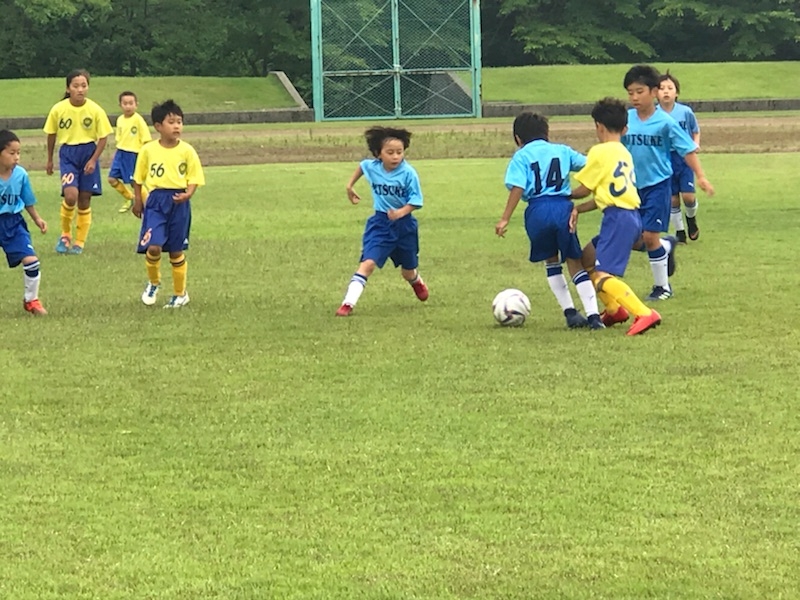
<point x="538" y="174"/>
<point x="651" y="137"/>
<point x="16" y="195"/>
<point x="682" y="175"/>
<point x="392" y="231"/>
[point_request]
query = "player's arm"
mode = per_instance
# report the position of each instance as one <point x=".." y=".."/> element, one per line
<point x="184" y="196"/>
<point x="514" y="196"/>
<point x="39" y="221"/>
<point x="694" y="164"/>
<point x="91" y="164"/>
<point x="139" y="178"/>
<point x="51" y="146"/>
<point x="351" y="194"/>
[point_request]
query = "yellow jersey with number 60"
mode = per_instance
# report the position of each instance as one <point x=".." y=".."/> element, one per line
<point x="73" y="125"/>
<point x="609" y="175"/>
<point x="163" y="168"/>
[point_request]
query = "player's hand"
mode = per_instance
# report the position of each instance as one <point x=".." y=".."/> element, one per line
<point x="49" y="168"/>
<point x="137" y="208"/>
<point x="501" y="227"/>
<point x="573" y="220"/>
<point x="90" y="167"/>
<point x="394" y="214"/>
<point x="352" y="196"/>
<point x="706" y="186"/>
<point x="42" y="225"/>
<point x="181" y="197"/>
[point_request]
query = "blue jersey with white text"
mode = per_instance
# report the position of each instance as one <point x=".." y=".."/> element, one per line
<point x="542" y="169"/>
<point x="392" y="189"/>
<point x="650" y="143"/>
<point x="16" y="192"/>
<point x="684" y="115"/>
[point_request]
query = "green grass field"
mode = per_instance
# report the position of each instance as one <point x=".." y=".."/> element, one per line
<point x="253" y="446"/>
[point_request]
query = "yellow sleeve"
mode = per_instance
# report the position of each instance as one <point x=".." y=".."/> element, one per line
<point x="140" y="170"/>
<point x="103" y="123"/>
<point x="51" y="124"/>
<point x="144" y="131"/>
<point x="194" y="170"/>
<point x="591" y="174"/>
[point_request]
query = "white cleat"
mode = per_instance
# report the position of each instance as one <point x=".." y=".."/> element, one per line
<point x="149" y="295"/>
<point x="178" y="301"/>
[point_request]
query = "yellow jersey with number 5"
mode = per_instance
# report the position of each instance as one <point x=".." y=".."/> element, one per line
<point x="73" y="125"/>
<point x="163" y="168"/>
<point x="609" y="175"/>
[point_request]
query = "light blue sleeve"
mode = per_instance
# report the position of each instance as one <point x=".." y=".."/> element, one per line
<point x="517" y="172"/>
<point x="576" y="160"/>
<point x="28" y="198"/>
<point x="691" y="122"/>
<point x="366" y="168"/>
<point x="679" y="139"/>
<point x="414" y="189"/>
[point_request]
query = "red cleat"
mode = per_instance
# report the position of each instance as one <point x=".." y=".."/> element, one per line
<point x="421" y="290"/>
<point x="610" y="319"/>
<point x="642" y="324"/>
<point x="34" y="307"/>
<point x="345" y="310"/>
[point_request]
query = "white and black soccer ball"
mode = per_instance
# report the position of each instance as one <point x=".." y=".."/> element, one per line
<point x="511" y="307"/>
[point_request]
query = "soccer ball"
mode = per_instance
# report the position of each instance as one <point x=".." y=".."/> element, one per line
<point x="511" y="307"/>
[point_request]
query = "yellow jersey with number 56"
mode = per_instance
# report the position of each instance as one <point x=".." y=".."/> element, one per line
<point x="73" y="125"/>
<point x="609" y="175"/>
<point x="163" y="168"/>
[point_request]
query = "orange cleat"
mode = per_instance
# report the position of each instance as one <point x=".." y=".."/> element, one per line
<point x="421" y="290"/>
<point x="345" y="310"/>
<point x="642" y="324"/>
<point x="35" y="307"/>
<point x="610" y="319"/>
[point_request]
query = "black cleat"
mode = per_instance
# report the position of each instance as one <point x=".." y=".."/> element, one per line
<point x="680" y="235"/>
<point x="673" y="242"/>
<point x="575" y="319"/>
<point x="694" y="230"/>
<point x="595" y="322"/>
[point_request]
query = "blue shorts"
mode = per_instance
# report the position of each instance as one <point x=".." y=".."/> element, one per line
<point x="385" y="239"/>
<point x="15" y="239"/>
<point x="682" y="176"/>
<point x="620" y="229"/>
<point x="547" y="225"/>
<point x="71" y="161"/>
<point x="656" y="205"/>
<point x="122" y="165"/>
<point x="164" y="223"/>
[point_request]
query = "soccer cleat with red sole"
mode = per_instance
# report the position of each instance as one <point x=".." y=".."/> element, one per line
<point x="345" y="310"/>
<point x="694" y="230"/>
<point x="610" y="319"/>
<point x="34" y="307"/>
<point x="642" y="324"/>
<point x="421" y="290"/>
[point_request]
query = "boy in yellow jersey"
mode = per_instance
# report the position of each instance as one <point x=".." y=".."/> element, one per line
<point x="608" y="175"/>
<point x="82" y="128"/>
<point x="131" y="134"/>
<point x="171" y="171"/>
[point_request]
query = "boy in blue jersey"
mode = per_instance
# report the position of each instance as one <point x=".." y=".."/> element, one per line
<point x="682" y="175"/>
<point x="651" y="137"/>
<point x="609" y="175"/>
<point x="392" y="231"/>
<point x="15" y="195"/>
<point x="538" y="173"/>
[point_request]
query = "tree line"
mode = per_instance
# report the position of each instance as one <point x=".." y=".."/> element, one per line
<point x="47" y="38"/>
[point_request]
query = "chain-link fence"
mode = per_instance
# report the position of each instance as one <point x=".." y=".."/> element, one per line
<point x="395" y="58"/>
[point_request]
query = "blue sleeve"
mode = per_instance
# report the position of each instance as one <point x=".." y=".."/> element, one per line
<point x="576" y="160"/>
<point x="691" y="122"/>
<point x="366" y="168"/>
<point x="679" y="139"/>
<point x="517" y="173"/>
<point x="414" y="189"/>
<point x="27" y="192"/>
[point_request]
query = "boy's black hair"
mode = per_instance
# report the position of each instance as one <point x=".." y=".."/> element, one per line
<point x="377" y="136"/>
<point x="530" y="126"/>
<point x="72" y="75"/>
<point x="161" y="111"/>
<point x="612" y="113"/>
<point x="127" y="93"/>
<point x="6" y="137"/>
<point x="644" y="74"/>
<point x="670" y="77"/>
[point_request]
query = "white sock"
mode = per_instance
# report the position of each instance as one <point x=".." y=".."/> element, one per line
<point x="32" y="278"/>
<point x="658" y="264"/>
<point x="691" y="209"/>
<point x="586" y="292"/>
<point x="558" y="284"/>
<point x="355" y="289"/>
<point x="676" y="219"/>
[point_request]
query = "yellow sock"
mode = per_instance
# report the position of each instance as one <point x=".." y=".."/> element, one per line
<point x="608" y="301"/>
<point x="67" y="214"/>
<point x="619" y="290"/>
<point x="153" y="269"/>
<point x="120" y="187"/>
<point x="82" y="225"/>
<point x="179" y="269"/>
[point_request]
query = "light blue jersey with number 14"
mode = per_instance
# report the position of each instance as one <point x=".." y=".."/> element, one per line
<point x="542" y="169"/>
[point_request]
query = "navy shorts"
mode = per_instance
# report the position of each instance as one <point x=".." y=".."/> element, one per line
<point x="656" y="205"/>
<point x="122" y="165"/>
<point x="15" y="239"/>
<point x="71" y="161"/>
<point x="682" y="176"/>
<point x="547" y="225"/>
<point x="384" y="239"/>
<point x="620" y="229"/>
<point x="164" y="223"/>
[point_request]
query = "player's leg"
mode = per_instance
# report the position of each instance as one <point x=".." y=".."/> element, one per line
<point x="15" y="240"/>
<point x="83" y="222"/>
<point x="70" y="175"/>
<point x="570" y="248"/>
<point x="676" y="219"/>
<point x="691" y="205"/>
<point x="655" y="210"/>
<point x="406" y="255"/>
<point x="152" y="236"/>
<point x="32" y="278"/>
<point x="176" y="243"/>
<point x="377" y="244"/>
